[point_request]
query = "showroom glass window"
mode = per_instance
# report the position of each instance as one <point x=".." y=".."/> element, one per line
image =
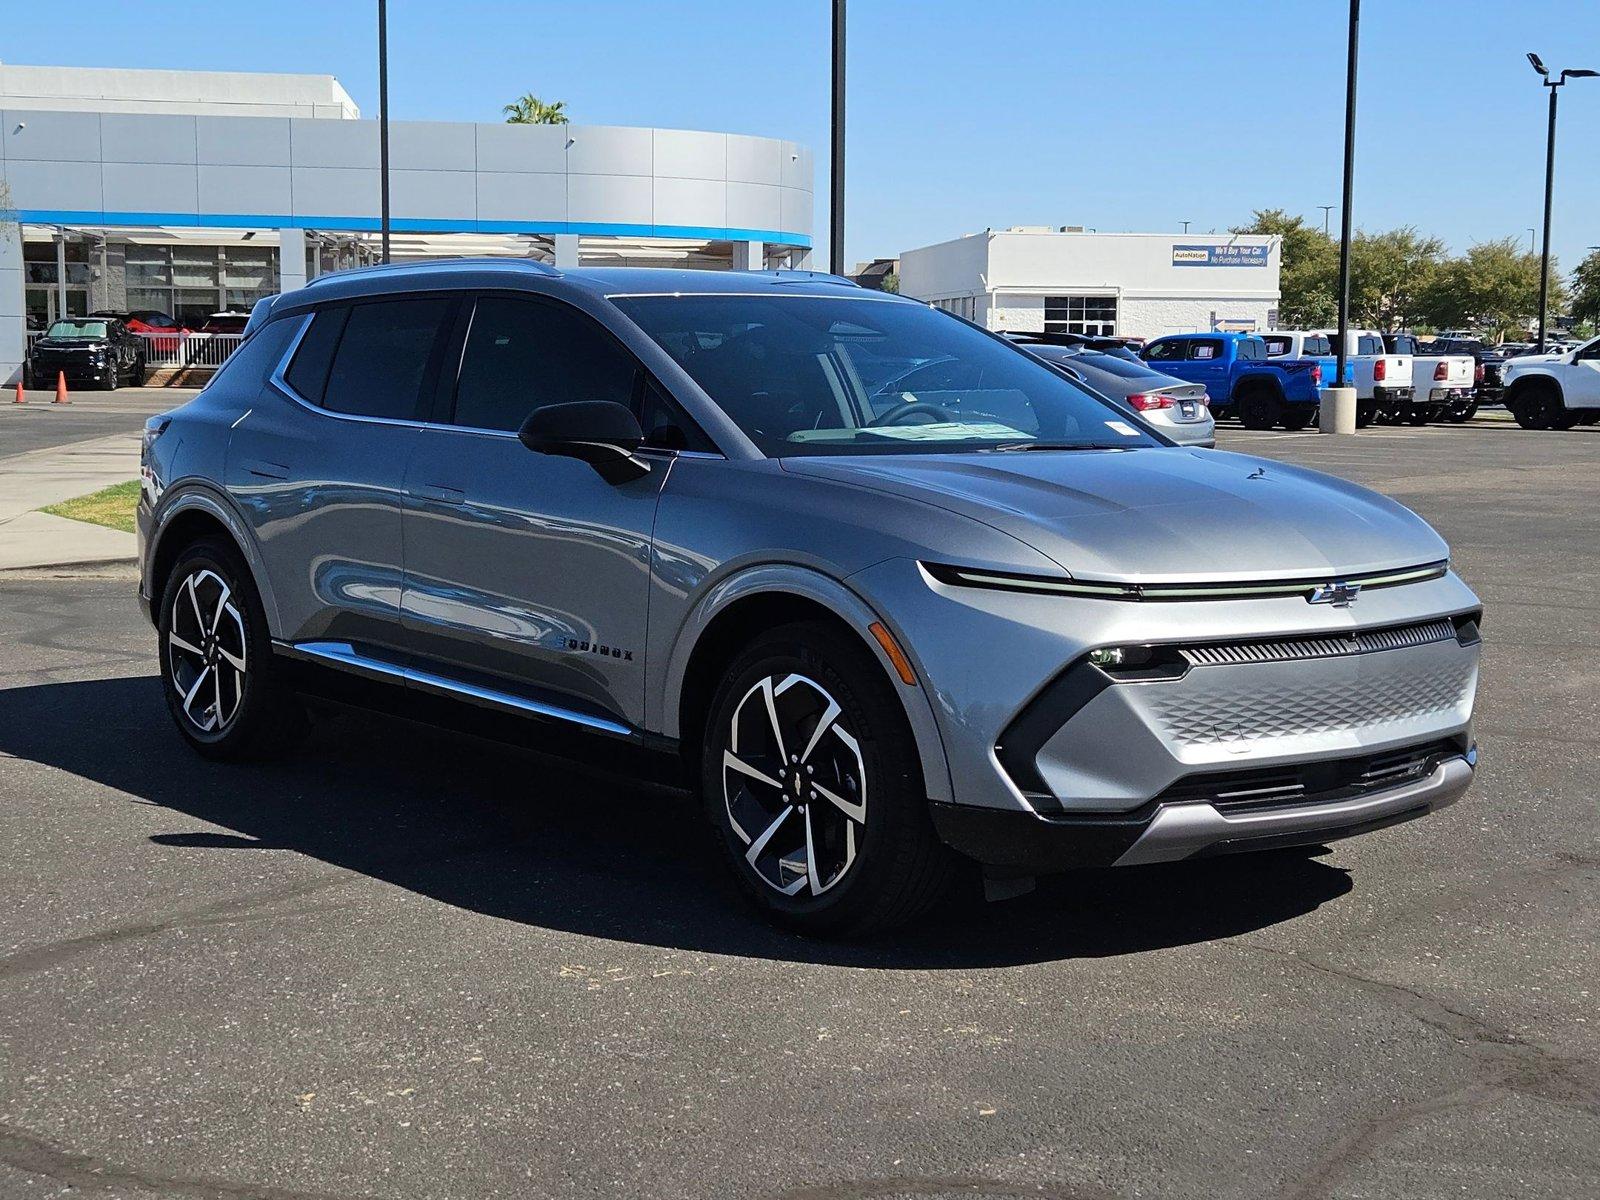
<point x="190" y="282"/>
<point x="1092" y="316"/>
<point x="524" y="354"/>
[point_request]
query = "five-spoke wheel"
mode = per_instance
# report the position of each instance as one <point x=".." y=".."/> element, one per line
<point x="812" y="776"/>
<point x="216" y="661"/>
<point x="794" y="785"/>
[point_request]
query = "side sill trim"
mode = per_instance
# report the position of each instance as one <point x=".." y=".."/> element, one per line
<point x="345" y="657"/>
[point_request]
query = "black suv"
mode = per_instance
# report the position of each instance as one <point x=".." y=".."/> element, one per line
<point x="87" y="350"/>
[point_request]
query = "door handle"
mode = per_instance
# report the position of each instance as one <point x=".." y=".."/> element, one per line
<point x="263" y="469"/>
<point x="444" y="495"/>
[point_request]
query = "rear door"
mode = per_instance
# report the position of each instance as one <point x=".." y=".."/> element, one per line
<point x="1581" y="381"/>
<point x="1207" y="363"/>
<point x="528" y="573"/>
<point x="318" y="463"/>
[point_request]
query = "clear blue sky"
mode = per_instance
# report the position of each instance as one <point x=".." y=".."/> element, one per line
<point x="1131" y="115"/>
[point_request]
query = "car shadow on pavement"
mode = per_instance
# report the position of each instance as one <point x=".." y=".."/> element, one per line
<point x="530" y="839"/>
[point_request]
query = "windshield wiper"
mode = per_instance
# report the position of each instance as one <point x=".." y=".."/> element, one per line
<point x="1013" y="446"/>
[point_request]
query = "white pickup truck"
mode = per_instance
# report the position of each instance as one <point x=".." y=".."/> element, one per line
<point x="1381" y="379"/>
<point x="1443" y="385"/>
<point x="1555" y="391"/>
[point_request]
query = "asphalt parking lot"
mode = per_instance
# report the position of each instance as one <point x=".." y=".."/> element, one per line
<point x="402" y="965"/>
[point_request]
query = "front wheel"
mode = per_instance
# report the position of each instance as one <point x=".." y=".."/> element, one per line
<point x="811" y="779"/>
<point x="216" y="657"/>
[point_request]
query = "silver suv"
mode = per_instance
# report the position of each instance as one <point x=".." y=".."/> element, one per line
<point x="882" y="631"/>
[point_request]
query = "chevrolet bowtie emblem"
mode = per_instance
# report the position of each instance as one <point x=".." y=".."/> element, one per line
<point x="1339" y="594"/>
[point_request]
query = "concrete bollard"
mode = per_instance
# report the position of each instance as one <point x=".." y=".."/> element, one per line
<point x="1338" y="412"/>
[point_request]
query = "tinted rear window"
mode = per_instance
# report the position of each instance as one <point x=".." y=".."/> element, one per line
<point x="382" y="358"/>
<point x="308" y="373"/>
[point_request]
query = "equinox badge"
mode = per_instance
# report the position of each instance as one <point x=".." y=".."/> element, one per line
<point x="1339" y="594"/>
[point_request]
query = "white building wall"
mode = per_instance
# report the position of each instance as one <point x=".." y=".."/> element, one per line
<point x="1154" y="294"/>
<point x="188" y="93"/>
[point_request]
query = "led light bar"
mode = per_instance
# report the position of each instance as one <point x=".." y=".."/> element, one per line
<point x="1108" y="590"/>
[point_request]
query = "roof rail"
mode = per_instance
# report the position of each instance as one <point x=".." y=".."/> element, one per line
<point x="785" y="273"/>
<point x="423" y="264"/>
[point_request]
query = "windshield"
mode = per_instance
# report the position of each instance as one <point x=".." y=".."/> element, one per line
<point x="77" y="329"/>
<point x="829" y="375"/>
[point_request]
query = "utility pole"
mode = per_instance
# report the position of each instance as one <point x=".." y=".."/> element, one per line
<point x="383" y="120"/>
<point x="836" y="168"/>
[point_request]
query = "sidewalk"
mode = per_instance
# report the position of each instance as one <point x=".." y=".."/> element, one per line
<point x="32" y="480"/>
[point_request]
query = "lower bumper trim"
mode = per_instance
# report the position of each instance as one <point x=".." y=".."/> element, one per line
<point x="1179" y="831"/>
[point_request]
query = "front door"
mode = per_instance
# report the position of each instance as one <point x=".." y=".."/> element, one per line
<point x="528" y="573"/>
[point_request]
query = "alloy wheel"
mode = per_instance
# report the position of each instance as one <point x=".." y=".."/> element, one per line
<point x="794" y="785"/>
<point x="206" y="651"/>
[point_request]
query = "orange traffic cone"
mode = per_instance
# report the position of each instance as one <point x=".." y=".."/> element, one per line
<point x="61" y="388"/>
<point x="21" y="399"/>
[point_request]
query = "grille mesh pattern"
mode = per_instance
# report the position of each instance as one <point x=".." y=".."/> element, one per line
<point x="1260" y="710"/>
<point x="1338" y="646"/>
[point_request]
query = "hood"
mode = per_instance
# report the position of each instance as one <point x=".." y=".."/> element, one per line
<point x="1146" y="516"/>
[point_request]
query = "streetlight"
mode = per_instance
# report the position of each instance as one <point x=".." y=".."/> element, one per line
<point x="1550" y="178"/>
<point x="1326" y="209"/>
<point x="836" y="169"/>
<point x="1186" y="226"/>
<point x="1531" y="233"/>
<point x="383" y="120"/>
<point x="1349" y="182"/>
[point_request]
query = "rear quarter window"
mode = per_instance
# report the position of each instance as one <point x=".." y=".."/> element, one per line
<point x="248" y="367"/>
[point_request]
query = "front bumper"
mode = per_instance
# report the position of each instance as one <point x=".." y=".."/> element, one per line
<point x="76" y="370"/>
<point x="1172" y="831"/>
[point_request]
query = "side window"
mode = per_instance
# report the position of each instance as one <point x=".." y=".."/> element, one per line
<point x="1166" y="351"/>
<point x="524" y="354"/>
<point x="665" y="426"/>
<point x="1369" y="345"/>
<point x="382" y="358"/>
<point x="248" y="367"/>
<point x="1590" y="353"/>
<point x="308" y="373"/>
<point x="1277" y="347"/>
<point x="1205" y="349"/>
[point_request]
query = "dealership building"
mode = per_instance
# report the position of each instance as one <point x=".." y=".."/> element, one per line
<point x="192" y="192"/>
<point x="1074" y="280"/>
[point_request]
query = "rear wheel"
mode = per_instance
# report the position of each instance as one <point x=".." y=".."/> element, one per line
<point x="138" y="372"/>
<point x="1259" y="409"/>
<point x="1366" y="410"/>
<point x="811" y="778"/>
<point x="216" y="657"/>
<point x="1297" y="416"/>
<point x="1418" y="414"/>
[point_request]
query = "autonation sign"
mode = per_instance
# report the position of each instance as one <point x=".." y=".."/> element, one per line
<point x="1220" y="256"/>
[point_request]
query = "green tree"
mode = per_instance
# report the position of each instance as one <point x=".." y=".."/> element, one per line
<point x="528" y="109"/>
<point x="1585" y="302"/>
<point x="1309" y="272"/>
<point x="1493" y="288"/>
<point x="1389" y="272"/>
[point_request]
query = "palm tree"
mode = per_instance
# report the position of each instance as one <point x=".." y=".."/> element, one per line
<point x="530" y="110"/>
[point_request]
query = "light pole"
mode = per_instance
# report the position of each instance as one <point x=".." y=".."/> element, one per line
<point x="1531" y="234"/>
<point x="1186" y="226"/>
<point x="1550" y="179"/>
<point x="1349" y="181"/>
<point x="836" y="169"/>
<point x="383" y="121"/>
<point x="1326" y="209"/>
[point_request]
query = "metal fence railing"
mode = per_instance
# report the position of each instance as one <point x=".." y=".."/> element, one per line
<point x="182" y="350"/>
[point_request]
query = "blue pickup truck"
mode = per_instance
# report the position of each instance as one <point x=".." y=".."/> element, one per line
<point x="1240" y="378"/>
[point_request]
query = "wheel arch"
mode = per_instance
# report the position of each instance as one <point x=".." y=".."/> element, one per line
<point x="193" y="513"/>
<point x="760" y="598"/>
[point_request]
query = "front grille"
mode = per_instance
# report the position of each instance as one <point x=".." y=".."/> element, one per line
<point x="1331" y="646"/>
<point x="1310" y="783"/>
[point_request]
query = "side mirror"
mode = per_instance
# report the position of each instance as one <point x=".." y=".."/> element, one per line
<point x="602" y="433"/>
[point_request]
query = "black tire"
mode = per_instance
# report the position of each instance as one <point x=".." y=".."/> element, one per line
<point x="27" y="376"/>
<point x="1534" y="406"/>
<point x="113" y="379"/>
<point x="1418" y="414"/>
<point x="138" y="373"/>
<point x="1259" y="409"/>
<point x="253" y="712"/>
<point x="1461" y="414"/>
<point x="1366" y="410"/>
<point x="899" y="866"/>
<point x="1297" y="416"/>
